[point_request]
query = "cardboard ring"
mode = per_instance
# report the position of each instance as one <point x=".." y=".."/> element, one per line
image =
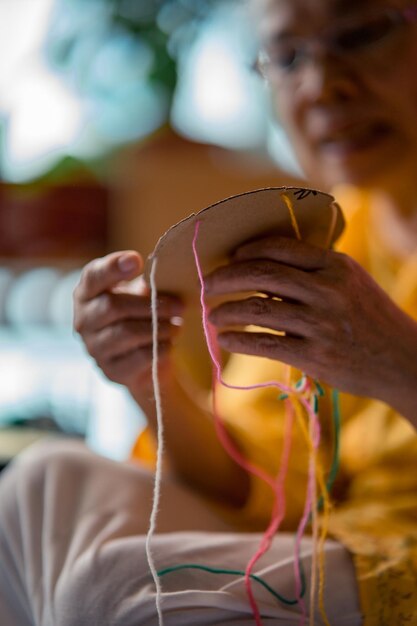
<point x="228" y="223"/>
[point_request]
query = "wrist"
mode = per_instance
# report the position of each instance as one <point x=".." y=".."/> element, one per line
<point x="400" y="387"/>
<point x="141" y="388"/>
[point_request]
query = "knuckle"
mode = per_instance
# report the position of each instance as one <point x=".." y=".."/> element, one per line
<point x="92" y="349"/>
<point x="93" y="274"/>
<point x="267" y="344"/>
<point x="260" y="270"/>
<point x="78" y="323"/>
<point x="105" y="304"/>
<point x="289" y="243"/>
<point x="344" y="264"/>
<point x="118" y="333"/>
<point x="322" y="256"/>
<point x="87" y="276"/>
<point x="76" y="294"/>
<point x="257" y="307"/>
<point x="110" y="338"/>
<point x="91" y="280"/>
<point x="112" y="372"/>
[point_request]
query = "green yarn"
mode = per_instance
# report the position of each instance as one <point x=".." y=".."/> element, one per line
<point x="258" y="579"/>
<point x="329" y="484"/>
<point x="336" y="446"/>
<point x="337" y="422"/>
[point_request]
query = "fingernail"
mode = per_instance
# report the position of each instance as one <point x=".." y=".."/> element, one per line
<point x="127" y="263"/>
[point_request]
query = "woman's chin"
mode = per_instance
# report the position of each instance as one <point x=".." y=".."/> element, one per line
<point x="331" y="174"/>
<point x="379" y="164"/>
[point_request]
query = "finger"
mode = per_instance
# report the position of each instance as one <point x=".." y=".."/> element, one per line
<point x="118" y="339"/>
<point x="108" y="308"/>
<point x="293" y="351"/>
<point x="124" y="368"/>
<point x="102" y="274"/>
<point x="293" y="252"/>
<point x="295" y="319"/>
<point x="262" y="276"/>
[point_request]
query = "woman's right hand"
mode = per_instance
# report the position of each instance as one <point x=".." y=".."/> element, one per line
<point x="112" y="313"/>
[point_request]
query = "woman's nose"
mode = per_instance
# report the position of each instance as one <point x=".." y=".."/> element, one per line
<point x="328" y="77"/>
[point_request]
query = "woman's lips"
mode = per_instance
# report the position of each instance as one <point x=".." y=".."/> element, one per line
<point x="350" y="140"/>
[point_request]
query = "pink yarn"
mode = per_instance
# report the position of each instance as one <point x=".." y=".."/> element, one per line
<point x="309" y="503"/>
<point x="277" y="485"/>
<point x="210" y="335"/>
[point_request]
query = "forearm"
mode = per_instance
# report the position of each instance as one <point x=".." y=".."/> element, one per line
<point x="402" y="396"/>
<point x="399" y="388"/>
<point x="193" y="450"/>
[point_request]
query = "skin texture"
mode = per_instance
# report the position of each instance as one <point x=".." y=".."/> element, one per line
<point x="113" y="317"/>
<point x="340" y="326"/>
<point x="344" y="95"/>
<point x="112" y="313"/>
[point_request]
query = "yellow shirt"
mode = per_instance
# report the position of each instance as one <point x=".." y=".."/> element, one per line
<point x="375" y="509"/>
<point x="375" y="513"/>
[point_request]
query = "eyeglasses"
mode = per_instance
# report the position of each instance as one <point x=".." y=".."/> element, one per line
<point x="357" y="37"/>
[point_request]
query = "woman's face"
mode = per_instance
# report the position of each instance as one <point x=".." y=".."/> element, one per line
<point x="351" y="116"/>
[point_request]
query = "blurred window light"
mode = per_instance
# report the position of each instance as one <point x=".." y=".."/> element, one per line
<point x="23" y="24"/>
<point x="43" y="118"/>
<point x="116" y="419"/>
<point x="132" y="112"/>
<point x="19" y="380"/>
<point x="280" y="149"/>
<point x="29" y="297"/>
<point x="61" y="301"/>
<point x="6" y="281"/>
<point x="45" y="375"/>
<point x="48" y="375"/>
<point x="111" y="73"/>
<point x="172" y="16"/>
<point x="73" y="18"/>
<point x="217" y="99"/>
<point x="225" y="100"/>
<point x="41" y="115"/>
<point x="123" y="59"/>
<point x="138" y="10"/>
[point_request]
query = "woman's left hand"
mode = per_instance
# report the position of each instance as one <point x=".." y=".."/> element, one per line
<point x="340" y="326"/>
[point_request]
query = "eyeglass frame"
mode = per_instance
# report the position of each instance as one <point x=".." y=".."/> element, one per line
<point x="400" y="17"/>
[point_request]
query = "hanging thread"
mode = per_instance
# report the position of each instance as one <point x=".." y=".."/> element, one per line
<point x="324" y="502"/>
<point x="223" y="435"/>
<point x="160" y="444"/>
<point x="294" y="400"/>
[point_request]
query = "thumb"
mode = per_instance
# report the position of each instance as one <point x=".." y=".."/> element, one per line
<point x="103" y="274"/>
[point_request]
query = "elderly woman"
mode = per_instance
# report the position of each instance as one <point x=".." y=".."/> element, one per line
<point x="342" y="79"/>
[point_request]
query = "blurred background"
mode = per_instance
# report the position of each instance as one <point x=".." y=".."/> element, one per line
<point x="117" y="119"/>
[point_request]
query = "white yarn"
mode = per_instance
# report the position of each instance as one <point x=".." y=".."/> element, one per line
<point x="160" y="450"/>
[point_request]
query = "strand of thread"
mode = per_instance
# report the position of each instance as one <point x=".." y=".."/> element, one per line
<point x="160" y="449"/>
<point x="225" y="439"/>
<point x="278" y="485"/>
